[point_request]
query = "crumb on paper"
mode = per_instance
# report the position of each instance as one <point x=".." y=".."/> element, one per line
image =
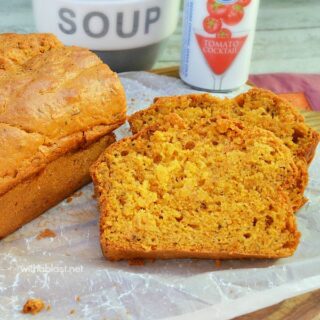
<point x="152" y="260"/>
<point x="69" y="199"/>
<point x="94" y="196"/>
<point x="48" y="307"/>
<point x="33" y="306"/>
<point x="78" y="298"/>
<point x="46" y="233"/>
<point x="217" y="263"/>
<point x="77" y="194"/>
<point x="136" y="262"/>
<point x="72" y="311"/>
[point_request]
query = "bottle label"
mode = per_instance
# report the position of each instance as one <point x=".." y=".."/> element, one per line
<point x="220" y="52"/>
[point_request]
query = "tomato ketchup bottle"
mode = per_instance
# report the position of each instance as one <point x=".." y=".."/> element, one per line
<point x="217" y="43"/>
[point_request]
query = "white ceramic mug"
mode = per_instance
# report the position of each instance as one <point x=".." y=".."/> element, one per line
<point x="127" y="34"/>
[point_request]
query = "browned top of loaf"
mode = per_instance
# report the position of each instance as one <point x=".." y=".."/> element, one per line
<point x="16" y="49"/>
<point x="53" y="99"/>
<point x="257" y="107"/>
<point x="217" y="190"/>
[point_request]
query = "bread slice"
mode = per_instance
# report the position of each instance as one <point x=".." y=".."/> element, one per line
<point x="257" y="107"/>
<point x="219" y="190"/>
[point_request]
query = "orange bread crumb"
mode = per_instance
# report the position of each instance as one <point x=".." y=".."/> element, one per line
<point x="219" y="190"/>
<point x="136" y="262"/>
<point x="33" y="306"/>
<point x="46" y="233"/>
<point x="217" y="263"/>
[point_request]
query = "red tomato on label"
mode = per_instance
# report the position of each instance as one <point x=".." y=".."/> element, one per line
<point x="224" y="33"/>
<point x="212" y="25"/>
<point x="244" y="3"/>
<point x="234" y="15"/>
<point x="216" y="10"/>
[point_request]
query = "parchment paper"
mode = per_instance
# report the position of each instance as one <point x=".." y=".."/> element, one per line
<point x="70" y="265"/>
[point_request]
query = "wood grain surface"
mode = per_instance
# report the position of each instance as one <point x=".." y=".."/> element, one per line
<point x="303" y="307"/>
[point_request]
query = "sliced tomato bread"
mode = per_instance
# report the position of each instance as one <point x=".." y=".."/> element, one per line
<point x="219" y="190"/>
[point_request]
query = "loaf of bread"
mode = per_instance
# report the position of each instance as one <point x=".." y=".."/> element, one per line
<point x="58" y="107"/>
<point x="257" y="107"/>
<point x="218" y="190"/>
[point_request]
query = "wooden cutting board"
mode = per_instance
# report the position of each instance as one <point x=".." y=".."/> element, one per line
<point x="304" y="307"/>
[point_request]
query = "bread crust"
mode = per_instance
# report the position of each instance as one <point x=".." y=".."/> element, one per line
<point x="16" y="49"/>
<point x="113" y="253"/>
<point x="58" y="180"/>
<point x="311" y="147"/>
